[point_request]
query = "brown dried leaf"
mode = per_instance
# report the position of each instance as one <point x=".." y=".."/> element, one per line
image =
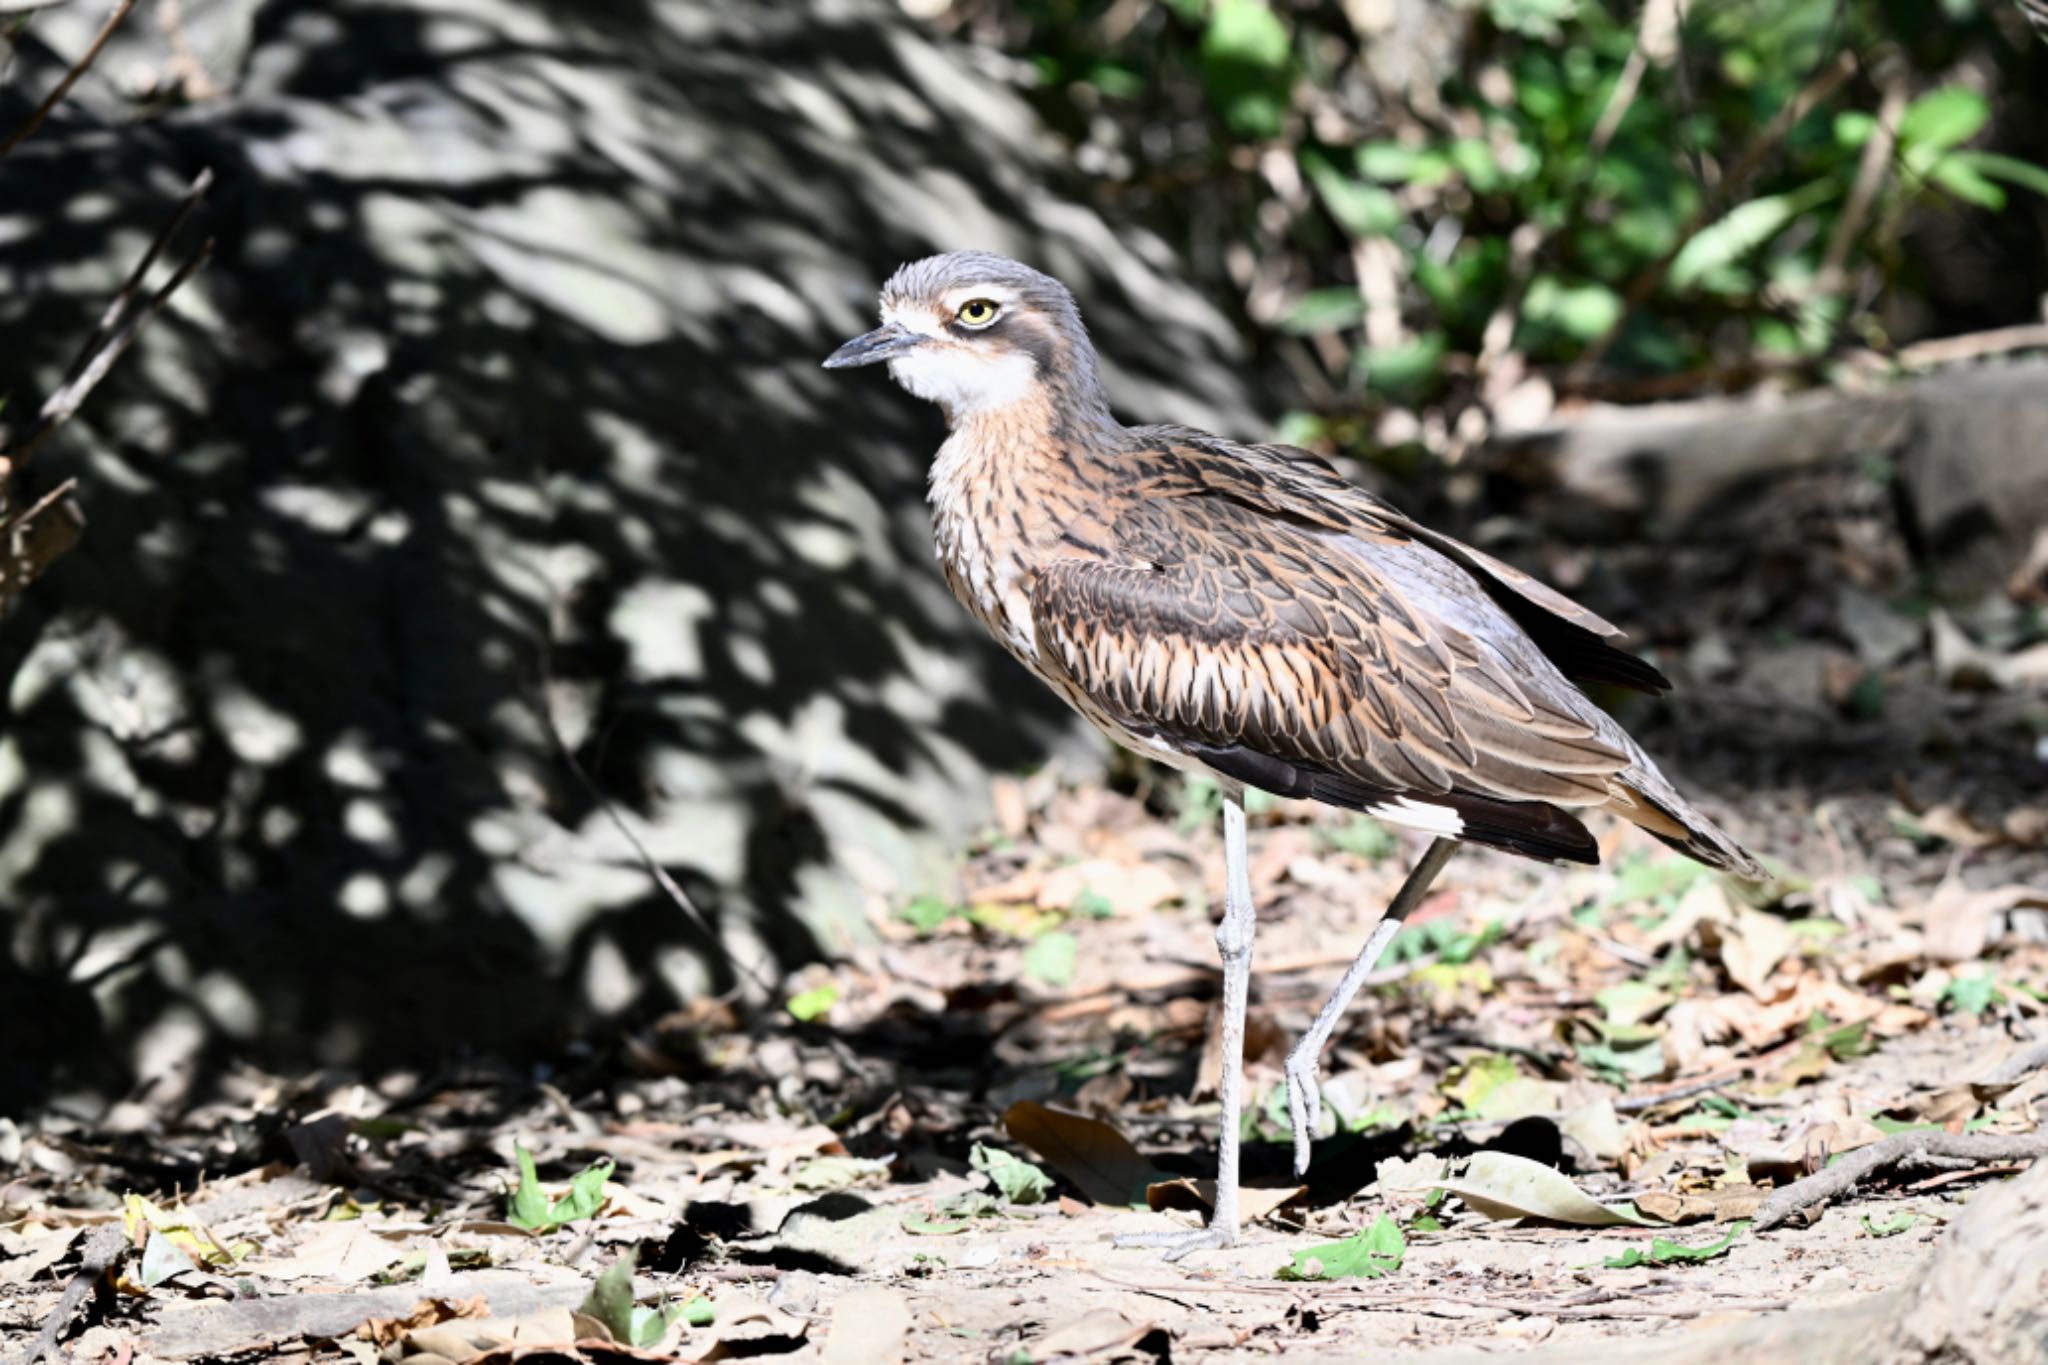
<point x="1096" y="1158"/>
<point x="1199" y="1196"/>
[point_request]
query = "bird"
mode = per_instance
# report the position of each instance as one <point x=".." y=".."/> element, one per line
<point x="1242" y="611"/>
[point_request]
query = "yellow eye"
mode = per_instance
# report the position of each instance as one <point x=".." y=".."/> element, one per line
<point x="977" y="312"/>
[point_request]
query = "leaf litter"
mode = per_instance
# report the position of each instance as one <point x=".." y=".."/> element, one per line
<point x="928" y="1146"/>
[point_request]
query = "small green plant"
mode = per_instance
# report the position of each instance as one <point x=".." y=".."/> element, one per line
<point x="1019" y="1180"/>
<point x="529" y="1206"/>
<point x="1664" y="1251"/>
<point x="1368" y="1254"/>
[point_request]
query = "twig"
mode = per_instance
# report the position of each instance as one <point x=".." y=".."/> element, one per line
<point x="1635" y="1103"/>
<point x="107" y="343"/>
<point x="63" y="87"/>
<point x="1901" y="1151"/>
<point x="1870" y="174"/>
<point x="118" y="305"/>
<point x="648" y="862"/>
<point x="105" y="1246"/>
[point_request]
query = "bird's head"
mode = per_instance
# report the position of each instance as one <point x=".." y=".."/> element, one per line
<point x="975" y="332"/>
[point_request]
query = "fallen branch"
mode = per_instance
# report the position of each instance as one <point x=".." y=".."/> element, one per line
<point x="1900" y="1152"/>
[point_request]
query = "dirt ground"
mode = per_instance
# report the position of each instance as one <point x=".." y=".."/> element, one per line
<point x="818" y="1181"/>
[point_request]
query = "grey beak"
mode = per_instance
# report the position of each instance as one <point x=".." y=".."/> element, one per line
<point x="886" y="342"/>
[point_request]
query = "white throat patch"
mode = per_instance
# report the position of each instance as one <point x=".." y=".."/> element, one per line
<point x="957" y="374"/>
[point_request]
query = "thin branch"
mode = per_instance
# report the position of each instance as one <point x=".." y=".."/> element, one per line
<point x="118" y="305"/>
<point x="101" y="353"/>
<point x="63" y="87"/>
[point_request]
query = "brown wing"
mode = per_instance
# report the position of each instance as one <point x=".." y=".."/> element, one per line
<point x="1299" y="484"/>
<point x="1313" y="654"/>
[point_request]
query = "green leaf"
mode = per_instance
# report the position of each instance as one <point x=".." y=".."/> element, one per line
<point x="1246" y="62"/>
<point x="1540" y="19"/>
<point x="1365" y="1255"/>
<point x="1963" y="181"/>
<point x="610" y="1300"/>
<point x="925" y="914"/>
<point x="1889" y="1227"/>
<point x="2010" y="169"/>
<point x="698" y="1312"/>
<point x="1092" y="904"/>
<point x="1019" y="1180"/>
<point x="1664" y="1251"/>
<point x="1741" y="231"/>
<point x="529" y="1206"/>
<point x="1360" y="209"/>
<point x="1972" y="995"/>
<point x="1580" y="311"/>
<point x="1943" y="118"/>
<point x="1404" y="366"/>
<point x="1469" y="1083"/>
<point x="1052" y="957"/>
<point x="814" y="1003"/>
<point x="1323" y="310"/>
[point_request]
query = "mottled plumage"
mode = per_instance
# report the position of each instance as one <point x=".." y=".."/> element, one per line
<point x="1243" y="611"/>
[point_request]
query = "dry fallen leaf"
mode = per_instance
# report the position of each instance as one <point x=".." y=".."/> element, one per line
<point x="1500" y="1185"/>
<point x="1095" y="1158"/>
<point x="1253" y="1202"/>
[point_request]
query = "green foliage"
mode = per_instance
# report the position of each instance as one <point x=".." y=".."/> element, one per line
<point x="611" y="1302"/>
<point x="529" y="1207"/>
<point x="1890" y="1226"/>
<point x="1664" y="1251"/>
<point x="1670" y="218"/>
<point x="1972" y="995"/>
<point x="1019" y="1180"/>
<point x="1367" y="1254"/>
<point x="926" y="914"/>
<point x="814" y="1003"/>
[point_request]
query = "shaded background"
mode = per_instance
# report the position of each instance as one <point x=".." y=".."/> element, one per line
<point x="493" y="438"/>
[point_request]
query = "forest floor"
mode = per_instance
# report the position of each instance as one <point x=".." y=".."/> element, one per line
<point x="925" y="1149"/>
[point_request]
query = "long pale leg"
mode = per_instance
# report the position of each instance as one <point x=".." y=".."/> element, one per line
<point x="1304" y="1093"/>
<point x="1234" y="945"/>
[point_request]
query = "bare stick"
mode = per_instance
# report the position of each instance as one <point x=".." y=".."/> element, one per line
<point x="131" y="286"/>
<point x="1901" y="1151"/>
<point x="102" y="1249"/>
<point x="60" y="406"/>
<point x="63" y="87"/>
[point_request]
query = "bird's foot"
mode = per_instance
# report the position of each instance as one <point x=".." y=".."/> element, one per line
<point x="1304" y="1106"/>
<point x="1182" y="1241"/>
